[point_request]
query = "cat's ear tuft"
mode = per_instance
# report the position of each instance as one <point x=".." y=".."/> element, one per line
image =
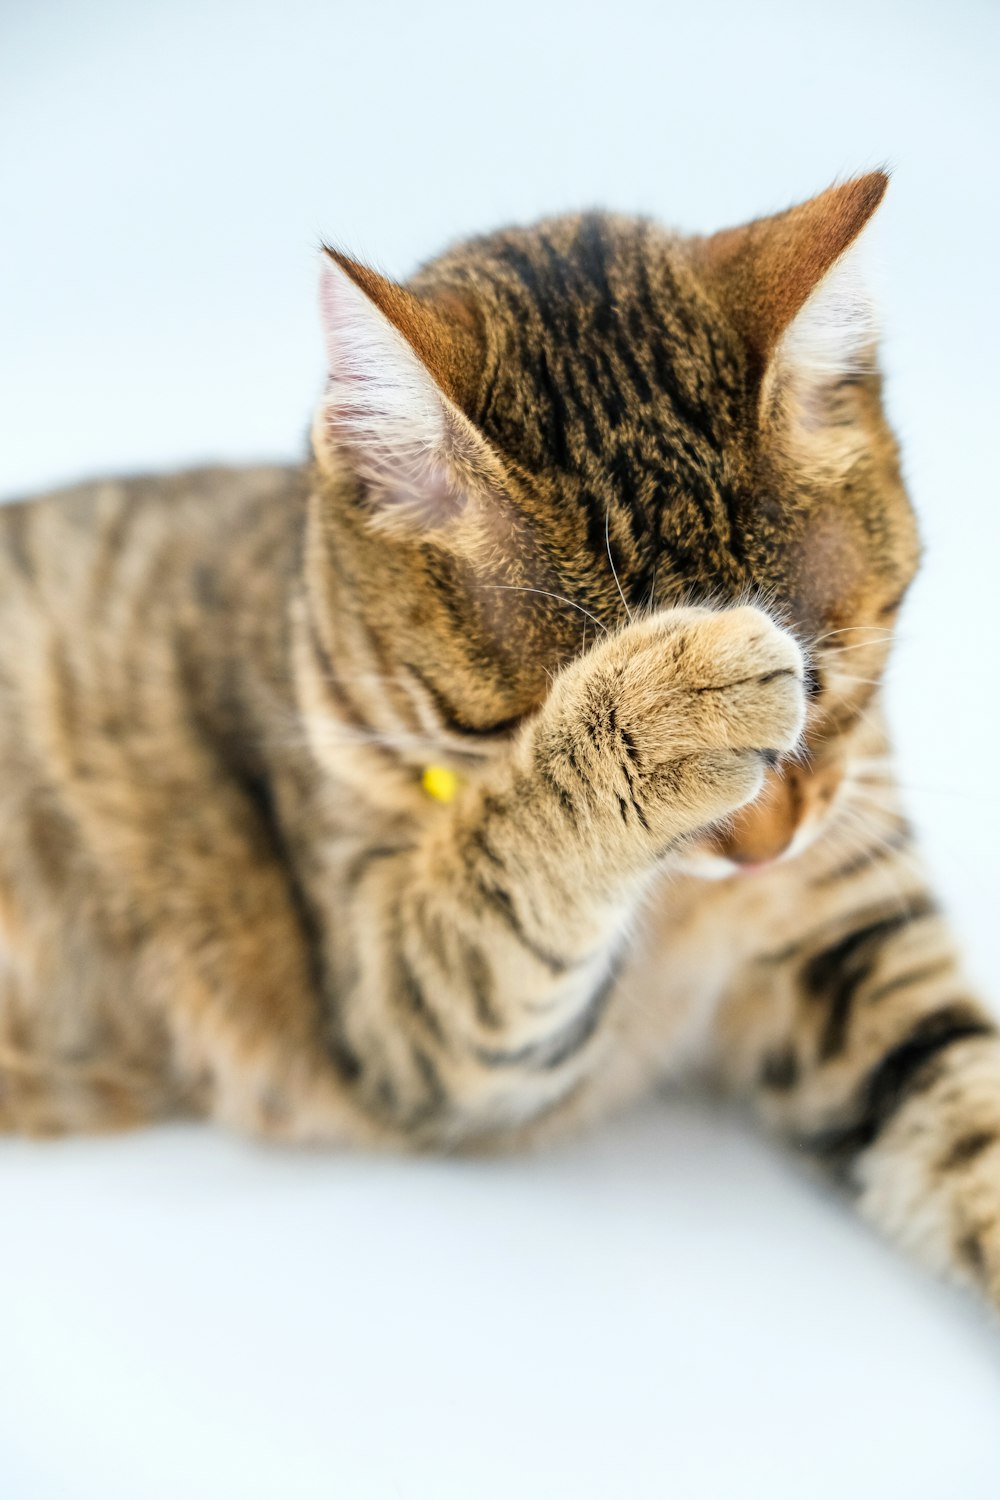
<point x="389" y="413"/>
<point x="783" y="284"/>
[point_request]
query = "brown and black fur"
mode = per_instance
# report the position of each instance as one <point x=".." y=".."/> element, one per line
<point x="605" y="544"/>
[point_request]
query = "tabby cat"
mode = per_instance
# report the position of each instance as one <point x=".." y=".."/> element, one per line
<point x="521" y="750"/>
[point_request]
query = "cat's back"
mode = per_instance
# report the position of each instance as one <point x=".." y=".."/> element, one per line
<point x="77" y="545"/>
<point x="105" y="584"/>
<point x="141" y="621"/>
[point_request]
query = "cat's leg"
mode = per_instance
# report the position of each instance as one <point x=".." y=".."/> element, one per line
<point x="864" y="1044"/>
<point x="475" y="989"/>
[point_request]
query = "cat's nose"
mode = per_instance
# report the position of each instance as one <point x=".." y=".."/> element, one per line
<point x="763" y="831"/>
<point x="793" y="796"/>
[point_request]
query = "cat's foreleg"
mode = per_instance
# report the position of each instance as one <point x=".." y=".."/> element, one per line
<point x="483" y="959"/>
<point x="866" y="1047"/>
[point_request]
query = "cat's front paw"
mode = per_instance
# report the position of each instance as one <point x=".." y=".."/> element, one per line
<point x="672" y="723"/>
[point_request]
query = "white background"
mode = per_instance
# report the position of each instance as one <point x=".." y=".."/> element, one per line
<point x="667" y="1307"/>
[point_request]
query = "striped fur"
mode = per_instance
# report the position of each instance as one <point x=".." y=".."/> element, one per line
<point x="610" y="523"/>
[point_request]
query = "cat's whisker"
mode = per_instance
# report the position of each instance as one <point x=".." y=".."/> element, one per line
<point x="868" y="791"/>
<point x="614" y="570"/>
<point x="877" y="823"/>
<point x="846" y="836"/>
<point x="520" y="588"/>
<point x="331" y="733"/>
<point x="928" y="789"/>
<point x="882" y="771"/>
<point x="860" y="824"/>
<point x="878" y="820"/>
<point x="835" y="651"/>
<point x="374" y="679"/>
<point x="827" y="635"/>
<point x="850" y="677"/>
<point x="649" y="607"/>
<point x="877" y="728"/>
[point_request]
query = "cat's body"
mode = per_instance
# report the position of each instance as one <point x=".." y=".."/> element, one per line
<point x="555" y="482"/>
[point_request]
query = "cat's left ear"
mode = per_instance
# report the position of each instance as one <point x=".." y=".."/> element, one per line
<point x="398" y="368"/>
<point x="792" y="288"/>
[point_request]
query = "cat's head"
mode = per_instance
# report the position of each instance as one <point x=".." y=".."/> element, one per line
<point x="553" y="428"/>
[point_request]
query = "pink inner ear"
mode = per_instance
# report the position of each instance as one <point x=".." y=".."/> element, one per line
<point x="383" y="408"/>
<point x="431" y="498"/>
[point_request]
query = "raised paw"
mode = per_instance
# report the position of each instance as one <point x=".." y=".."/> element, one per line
<point x="672" y="723"/>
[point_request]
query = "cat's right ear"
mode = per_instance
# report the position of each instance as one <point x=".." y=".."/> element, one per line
<point x="390" y="413"/>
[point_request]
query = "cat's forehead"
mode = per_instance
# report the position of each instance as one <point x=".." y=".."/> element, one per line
<point x="611" y="304"/>
<point x="610" y="371"/>
<point x="604" y="368"/>
<point x="587" y="259"/>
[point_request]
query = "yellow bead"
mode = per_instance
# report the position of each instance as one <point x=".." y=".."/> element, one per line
<point x="440" y="783"/>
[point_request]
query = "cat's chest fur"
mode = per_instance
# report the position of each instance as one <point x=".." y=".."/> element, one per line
<point x="694" y="945"/>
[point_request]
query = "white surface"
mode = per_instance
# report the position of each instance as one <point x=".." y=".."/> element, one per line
<point x="666" y="1307"/>
<point x="662" y="1309"/>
